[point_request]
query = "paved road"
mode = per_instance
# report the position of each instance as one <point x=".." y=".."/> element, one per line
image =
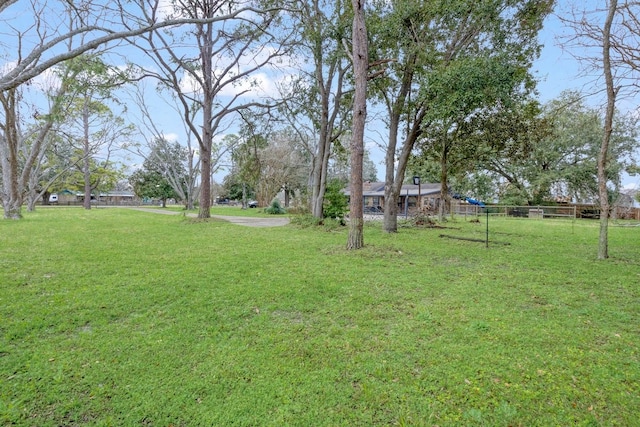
<point x="240" y="220"/>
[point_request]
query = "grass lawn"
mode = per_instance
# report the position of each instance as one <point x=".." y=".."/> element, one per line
<point x="119" y="317"/>
<point x="220" y="210"/>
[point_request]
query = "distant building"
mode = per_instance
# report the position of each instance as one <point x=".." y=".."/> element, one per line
<point x="373" y="197"/>
<point x="116" y="198"/>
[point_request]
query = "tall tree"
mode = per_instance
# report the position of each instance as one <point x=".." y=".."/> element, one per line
<point x="10" y="139"/>
<point x="58" y="160"/>
<point x="170" y="161"/>
<point x="605" y="40"/>
<point x="216" y="75"/>
<point x="603" y="155"/>
<point x="179" y="159"/>
<point x="104" y="176"/>
<point x="25" y="130"/>
<point x="360" y="58"/>
<point x="464" y="99"/>
<point x="430" y="39"/>
<point x="245" y="172"/>
<point x="283" y="166"/>
<point x="90" y="121"/>
<point x="562" y="161"/>
<point x="149" y="184"/>
<point x="317" y="102"/>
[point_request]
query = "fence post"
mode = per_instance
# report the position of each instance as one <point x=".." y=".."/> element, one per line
<point x="487" y="243"/>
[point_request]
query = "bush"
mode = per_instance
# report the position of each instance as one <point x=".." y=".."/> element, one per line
<point x="275" y="208"/>
<point x="299" y="209"/>
<point x="308" y="221"/>
<point x="305" y="220"/>
<point x="422" y="220"/>
<point x="335" y="201"/>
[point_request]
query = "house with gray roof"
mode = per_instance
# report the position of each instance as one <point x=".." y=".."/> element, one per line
<point x="427" y="194"/>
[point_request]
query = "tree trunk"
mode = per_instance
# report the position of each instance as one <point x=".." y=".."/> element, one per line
<point x="32" y="199"/>
<point x="321" y="161"/>
<point x="287" y="196"/>
<point x="86" y="154"/>
<point x="319" y="177"/>
<point x="191" y="193"/>
<point x="244" y="196"/>
<point x="11" y="191"/>
<point x="394" y="177"/>
<point x="361" y="69"/>
<point x="390" y="220"/>
<point x="206" y="142"/>
<point x="603" y="193"/>
<point x="14" y="182"/>
<point x="205" y="183"/>
<point x="11" y="194"/>
<point x="329" y="79"/>
<point x="444" y="190"/>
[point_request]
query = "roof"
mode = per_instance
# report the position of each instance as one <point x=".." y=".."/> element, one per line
<point x="376" y="189"/>
<point x="118" y="194"/>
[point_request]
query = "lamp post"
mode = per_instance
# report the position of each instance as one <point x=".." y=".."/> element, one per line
<point x="416" y="181"/>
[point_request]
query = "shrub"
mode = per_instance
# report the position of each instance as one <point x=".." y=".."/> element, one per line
<point x="305" y="220"/>
<point x="299" y="209"/>
<point x="335" y="201"/>
<point x="275" y="208"/>
<point x="308" y="221"/>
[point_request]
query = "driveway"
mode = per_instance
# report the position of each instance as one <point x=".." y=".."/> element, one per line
<point x="240" y="220"/>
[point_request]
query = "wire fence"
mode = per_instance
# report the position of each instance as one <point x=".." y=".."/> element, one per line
<point x="541" y="212"/>
<point x="532" y="212"/>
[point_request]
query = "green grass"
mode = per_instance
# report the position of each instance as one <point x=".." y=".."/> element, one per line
<point x="221" y="210"/>
<point x="118" y="317"/>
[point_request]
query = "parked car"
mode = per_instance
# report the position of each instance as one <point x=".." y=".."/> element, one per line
<point x="252" y="204"/>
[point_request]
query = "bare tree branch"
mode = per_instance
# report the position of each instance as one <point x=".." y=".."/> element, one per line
<point x="46" y="53"/>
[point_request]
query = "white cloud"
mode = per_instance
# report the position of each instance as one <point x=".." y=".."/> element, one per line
<point x="258" y="84"/>
<point x="171" y="137"/>
<point x="47" y="81"/>
<point x="165" y="9"/>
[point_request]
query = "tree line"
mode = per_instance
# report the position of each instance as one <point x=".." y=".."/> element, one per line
<point x="280" y="93"/>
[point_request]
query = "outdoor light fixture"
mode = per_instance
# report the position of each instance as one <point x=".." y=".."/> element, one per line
<point x="416" y="181"/>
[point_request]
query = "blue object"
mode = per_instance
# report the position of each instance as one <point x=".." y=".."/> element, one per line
<point x="474" y="202"/>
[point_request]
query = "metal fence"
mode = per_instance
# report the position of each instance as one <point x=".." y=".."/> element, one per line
<point x="541" y="212"/>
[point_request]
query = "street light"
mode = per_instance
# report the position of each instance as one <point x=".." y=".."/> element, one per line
<point x="416" y="181"/>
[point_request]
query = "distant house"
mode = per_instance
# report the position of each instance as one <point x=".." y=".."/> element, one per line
<point x="373" y="197"/>
<point x="117" y="198"/>
<point x="66" y="196"/>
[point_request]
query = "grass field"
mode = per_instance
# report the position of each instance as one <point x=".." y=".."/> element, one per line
<point x="125" y="318"/>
